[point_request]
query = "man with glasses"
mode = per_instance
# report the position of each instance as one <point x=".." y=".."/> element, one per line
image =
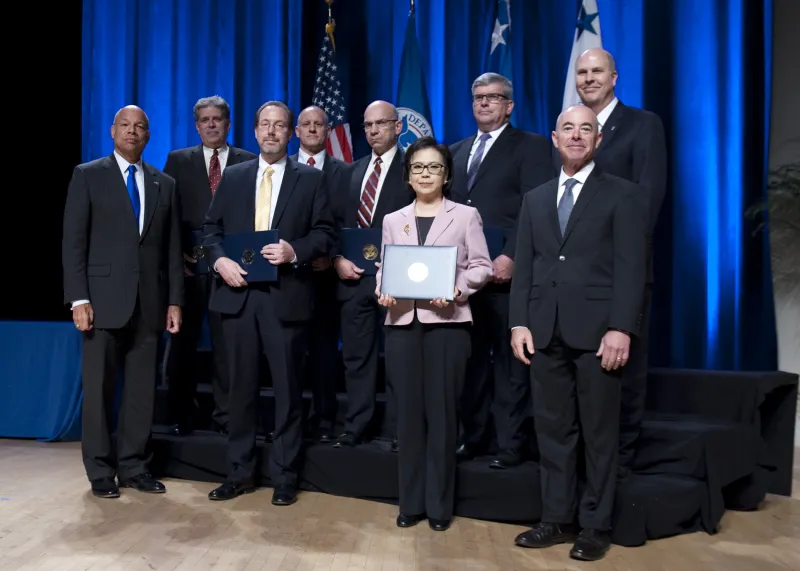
<point x="493" y="170"/>
<point x="272" y="192"/>
<point x="376" y="188"/>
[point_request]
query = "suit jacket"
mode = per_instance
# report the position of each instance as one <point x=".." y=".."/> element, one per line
<point x="395" y="194"/>
<point x="516" y="163"/>
<point x="593" y="278"/>
<point x="105" y="258"/>
<point x="188" y="168"/>
<point x="334" y="171"/>
<point x="302" y="217"/>
<point x="454" y="225"/>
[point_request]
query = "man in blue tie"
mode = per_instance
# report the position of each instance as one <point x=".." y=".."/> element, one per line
<point x="123" y="278"/>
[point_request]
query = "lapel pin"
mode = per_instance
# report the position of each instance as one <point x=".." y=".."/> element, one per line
<point x="405" y="229"/>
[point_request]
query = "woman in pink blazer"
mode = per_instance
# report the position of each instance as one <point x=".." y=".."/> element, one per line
<point x="428" y="341"/>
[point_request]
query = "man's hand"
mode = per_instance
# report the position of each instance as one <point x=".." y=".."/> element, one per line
<point x="189" y="260"/>
<point x="231" y="272"/>
<point x="503" y="267"/>
<point x="521" y="339"/>
<point x="83" y="317"/>
<point x="174" y="319"/>
<point x="347" y="270"/>
<point x="614" y="350"/>
<point x="320" y="264"/>
<point x="277" y="254"/>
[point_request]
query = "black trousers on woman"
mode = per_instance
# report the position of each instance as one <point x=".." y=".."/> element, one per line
<point x="427" y="363"/>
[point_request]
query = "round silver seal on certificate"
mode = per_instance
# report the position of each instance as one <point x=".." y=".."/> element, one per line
<point x="417" y="272"/>
<point x="248" y="256"/>
<point x="198" y="252"/>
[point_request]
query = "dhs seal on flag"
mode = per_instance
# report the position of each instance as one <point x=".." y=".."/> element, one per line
<point x="414" y="127"/>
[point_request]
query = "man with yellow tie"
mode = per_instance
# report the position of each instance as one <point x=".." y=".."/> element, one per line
<point x="272" y="192"/>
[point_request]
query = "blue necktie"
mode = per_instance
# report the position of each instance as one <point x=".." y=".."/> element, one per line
<point x="566" y="204"/>
<point x="472" y="171"/>
<point x="133" y="192"/>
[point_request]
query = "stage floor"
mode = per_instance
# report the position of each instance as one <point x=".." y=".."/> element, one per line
<point x="50" y="521"/>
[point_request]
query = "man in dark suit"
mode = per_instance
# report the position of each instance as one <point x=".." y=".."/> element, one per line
<point x="197" y="172"/>
<point x="376" y="188"/>
<point x="312" y="129"/>
<point x="576" y="302"/>
<point x="493" y="169"/>
<point x="124" y="279"/>
<point x="272" y="192"/>
<point x="633" y="148"/>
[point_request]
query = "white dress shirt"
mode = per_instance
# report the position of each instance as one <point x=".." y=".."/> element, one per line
<point x="386" y="162"/>
<point x="319" y="158"/>
<point x="580" y="176"/>
<point x="603" y="116"/>
<point x="277" y="178"/>
<point x="222" y="155"/>
<point x="489" y="142"/>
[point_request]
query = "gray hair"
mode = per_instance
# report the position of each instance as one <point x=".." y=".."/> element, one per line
<point x="213" y="101"/>
<point x="490" y="78"/>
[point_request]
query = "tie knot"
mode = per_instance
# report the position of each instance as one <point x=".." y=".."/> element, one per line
<point x="570" y="183"/>
<point x="216" y="152"/>
<point x="268" y="171"/>
<point x="311" y="161"/>
<point x="132" y="169"/>
<point x="378" y="161"/>
<point x="485" y="137"/>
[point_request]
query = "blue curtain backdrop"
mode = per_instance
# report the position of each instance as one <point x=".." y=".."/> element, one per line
<point x="702" y="66"/>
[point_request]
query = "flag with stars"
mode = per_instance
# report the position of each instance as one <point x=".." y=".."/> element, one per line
<point x="328" y="94"/>
<point x="499" y="60"/>
<point x="587" y="36"/>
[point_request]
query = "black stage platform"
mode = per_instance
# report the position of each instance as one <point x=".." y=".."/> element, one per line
<point x="711" y="441"/>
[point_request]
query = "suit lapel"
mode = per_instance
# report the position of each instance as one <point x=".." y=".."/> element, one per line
<point x="612" y="125"/>
<point x="151" y="191"/>
<point x="500" y="148"/>
<point x="440" y="223"/>
<point x="461" y="160"/>
<point x="120" y="194"/>
<point x="588" y="192"/>
<point x="199" y="167"/>
<point x="408" y="232"/>
<point x="250" y="194"/>
<point x="552" y="209"/>
<point x="290" y="178"/>
<point x="355" y="187"/>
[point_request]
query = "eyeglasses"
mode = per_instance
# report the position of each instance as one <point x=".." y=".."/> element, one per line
<point x="267" y="125"/>
<point x="380" y="123"/>
<point x="490" y="97"/>
<point x="433" y="168"/>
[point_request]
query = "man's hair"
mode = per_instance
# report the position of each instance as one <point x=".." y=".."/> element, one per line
<point x="282" y="105"/>
<point x="490" y="78"/>
<point x="213" y="101"/>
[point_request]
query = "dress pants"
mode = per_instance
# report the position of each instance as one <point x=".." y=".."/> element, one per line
<point x="574" y="398"/>
<point x="135" y="348"/>
<point x="362" y="328"/>
<point x="324" y="349"/>
<point x="256" y="329"/>
<point x="427" y="364"/>
<point x="496" y="381"/>
<point x="182" y="362"/>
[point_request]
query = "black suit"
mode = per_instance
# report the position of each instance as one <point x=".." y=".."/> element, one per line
<point x="188" y="168"/>
<point x="517" y="162"/>
<point x="569" y="292"/>
<point x="362" y="317"/>
<point x="268" y="318"/>
<point x="130" y="279"/>
<point x="633" y="147"/>
<point x="324" y="336"/>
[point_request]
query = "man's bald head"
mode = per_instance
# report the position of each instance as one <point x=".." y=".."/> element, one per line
<point x="381" y="126"/>
<point x="576" y="137"/>
<point x="595" y="78"/>
<point x="312" y="129"/>
<point x="598" y="53"/>
<point x="131" y="132"/>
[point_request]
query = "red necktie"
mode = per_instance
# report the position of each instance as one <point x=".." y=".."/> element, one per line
<point x="214" y="172"/>
<point x="311" y="161"/>
<point x="366" y="206"/>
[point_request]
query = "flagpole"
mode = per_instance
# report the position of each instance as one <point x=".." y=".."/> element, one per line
<point x="331" y="25"/>
<point x="412" y="6"/>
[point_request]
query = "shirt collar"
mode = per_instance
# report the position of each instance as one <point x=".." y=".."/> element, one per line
<point x="319" y="158"/>
<point x="387" y="157"/>
<point x="494" y="134"/>
<point x="124" y="164"/>
<point x="279" y="165"/>
<point x="208" y="151"/>
<point x="580" y="176"/>
<point x="603" y="116"/>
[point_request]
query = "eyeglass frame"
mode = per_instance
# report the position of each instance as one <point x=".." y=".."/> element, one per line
<point x="423" y="167"/>
<point x="498" y="98"/>
<point x="381" y="123"/>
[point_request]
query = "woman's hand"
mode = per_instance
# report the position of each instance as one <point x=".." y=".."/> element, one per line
<point x="443" y="302"/>
<point x="386" y="300"/>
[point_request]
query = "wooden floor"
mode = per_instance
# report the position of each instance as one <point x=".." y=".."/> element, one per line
<point x="50" y="521"/>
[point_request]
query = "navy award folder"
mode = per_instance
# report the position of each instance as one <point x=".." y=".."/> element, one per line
<point x="245" y="250"/>
<point x="419" y="272"/>
<point x="199" y="253"/>
<point x="362" y="246"/>
<point x="495" y="240"/>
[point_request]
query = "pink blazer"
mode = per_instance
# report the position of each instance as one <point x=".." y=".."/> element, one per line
<point x="454" y="225"/>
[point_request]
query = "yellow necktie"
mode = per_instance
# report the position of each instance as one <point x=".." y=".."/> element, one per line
<point x="264" y="201"/>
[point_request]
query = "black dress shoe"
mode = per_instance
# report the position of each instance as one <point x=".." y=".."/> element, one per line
<point x="347" y="439"/>
<point x="439" y="524"/>
<point x="408" y="520"/>
<point x="105" y="488"/>
<point x="144" y="483"/>
<point x="284" y="496"/>
<point x="230" y="490"/>
<point x="545" y="535"/>
<point x="180" y="429"/>
<point x="465" y="452"/>
<point x="590" y="545"/>
<point x="506" y="459"/>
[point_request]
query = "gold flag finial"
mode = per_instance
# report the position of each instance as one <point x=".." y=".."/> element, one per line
<point x="330" y="27"/>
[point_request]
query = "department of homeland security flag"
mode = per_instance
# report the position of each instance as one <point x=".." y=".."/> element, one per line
<point x="412" y="96"/>
<point x="328" y="94"/>
<point x="587" y="35"/>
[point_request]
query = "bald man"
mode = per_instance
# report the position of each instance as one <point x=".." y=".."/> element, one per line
<point x="573" y="322"/>
<point x="376" y="188"/>
<point x="123" y="277"/>
<point x="634" y="148"/>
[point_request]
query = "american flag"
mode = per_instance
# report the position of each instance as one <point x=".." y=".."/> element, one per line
<point x="328" y="95"/>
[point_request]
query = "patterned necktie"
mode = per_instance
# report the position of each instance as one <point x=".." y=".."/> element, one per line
<point x="566" y="204"/>
<point x="214" y="172"/>
<point x="366" y="206"/>
<point x="133" y="192"/>
<point x="311" y="161"/>
<point x="264" y="201"/>
<point x="472" y="171"/>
